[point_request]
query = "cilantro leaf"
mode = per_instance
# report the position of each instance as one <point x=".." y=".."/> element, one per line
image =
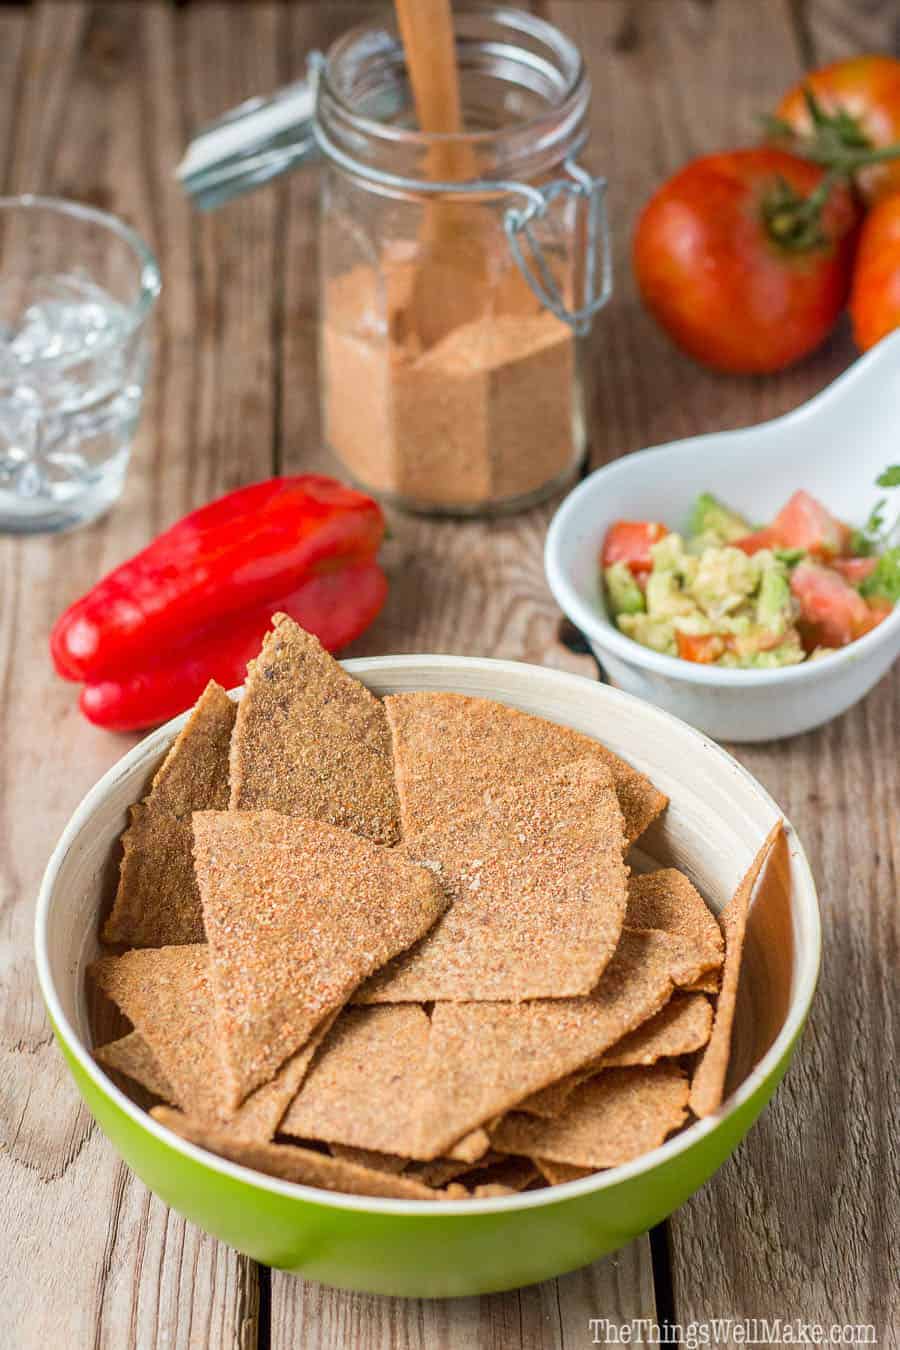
<point x="890" y="477"/>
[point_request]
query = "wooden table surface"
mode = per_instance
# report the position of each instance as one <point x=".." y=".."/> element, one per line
<point x="97" y="102"/>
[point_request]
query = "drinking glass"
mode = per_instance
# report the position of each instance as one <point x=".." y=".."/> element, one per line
<point x="77" y="293"/>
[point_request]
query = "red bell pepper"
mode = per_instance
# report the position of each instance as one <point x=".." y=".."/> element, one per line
<point x="237" y="551"/>
<point x="195" y="604"/>
<point x="336" y="606"/>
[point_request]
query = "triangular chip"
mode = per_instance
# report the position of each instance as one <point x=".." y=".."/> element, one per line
<point x="538" y="889"/>
<point x="708" y="1085"/>
<point x="166" y="993"/>
<point x="366" y="1084"/>
<point x="450" y="749"/>
<point x="679" y="1028"/>
<point x="157" y="903"/>
<point x="613" y="1118"/>
<point x="297" y="914"/>
<point x="666" y="899"/>
<point x="484" y="1058"/>
<point x="381" y="1162"/>
<point x="132" y="1056"/>
<point x="301" y="1165"/>
<point x="558" y="1173"/>
<point x="311" y="741"/>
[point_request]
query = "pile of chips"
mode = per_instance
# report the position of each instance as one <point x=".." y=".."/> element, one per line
<point x="394" y="947"/>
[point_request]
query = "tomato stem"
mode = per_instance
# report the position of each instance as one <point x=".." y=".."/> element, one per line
<point x="837" y="141"/>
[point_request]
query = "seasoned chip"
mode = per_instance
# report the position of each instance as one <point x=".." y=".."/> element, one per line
<point x="538" y="889"/>
<point x="666" y="899"/>
<point x="707" y="984"/>
<point x="365" y="1086"/>
<point x="679" y="1028"/>
<point x="297" y="914"/>
<point x="484" y="1058"/>
<point x="381" y="1162"/>
<point x="557" y="1173"/>
<point x="609" y="1120"/>
<point x="300" y="1165"/>
<point x="166" y="993"/>
<point x="157" y="902"/>
<point x="132" y="1056"/>
<point x="450" y="750"/>
<point x="311" y="741"/>
<point x="708" y="1085"/>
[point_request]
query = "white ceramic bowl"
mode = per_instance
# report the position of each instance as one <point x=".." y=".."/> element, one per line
<point x="834" y="446"/>
<point x="717" y="817"/>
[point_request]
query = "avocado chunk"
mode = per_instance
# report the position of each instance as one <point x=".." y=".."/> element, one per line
<point x="712" y="522"/>
<point x="625" y="595"/>
<point x="773" y="603"/>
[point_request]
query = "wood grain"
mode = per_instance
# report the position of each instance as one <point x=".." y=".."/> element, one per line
<point x="803" y="1222"/>
<point x="102" y="110"/>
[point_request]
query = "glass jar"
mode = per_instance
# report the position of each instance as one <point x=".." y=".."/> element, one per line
<point x="459" y="274"/>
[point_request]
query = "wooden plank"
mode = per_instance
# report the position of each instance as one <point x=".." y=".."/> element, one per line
<point x="802" y="1222"/>
<point x="106" y="100"/>
<point x="549" y="1316"/>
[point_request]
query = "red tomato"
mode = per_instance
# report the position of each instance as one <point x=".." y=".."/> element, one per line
<point x="854" y="570"/>
<point x="875" y="296"/>
<point x="630" y="541"/>
<point x="711" y="266"/>
<point x="752" y="543"/>
<point x="832" y="613"/>
<point x="803" y="522"/>
<point x="703" y="648"/>
<point x="867" y="89"/>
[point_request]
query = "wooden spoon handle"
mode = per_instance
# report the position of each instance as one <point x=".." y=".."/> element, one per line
<point x="426" y="27"/>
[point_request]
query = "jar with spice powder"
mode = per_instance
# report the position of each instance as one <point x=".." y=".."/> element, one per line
<point x="459" y="273"/>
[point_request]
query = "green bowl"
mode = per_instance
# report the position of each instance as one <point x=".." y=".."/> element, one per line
<point x="717" y="818"/>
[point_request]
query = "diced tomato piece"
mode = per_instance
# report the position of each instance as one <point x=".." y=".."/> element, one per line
<point x="854" y="570"/>
<point x="752" y="543"/>
<point x="630" y="542"/>
<point x="832" y="613"/>
<point x="805" y="523"/>
<point x="703" y="648"/>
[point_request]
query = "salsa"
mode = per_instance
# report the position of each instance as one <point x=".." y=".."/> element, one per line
<point x="728" y="593"/>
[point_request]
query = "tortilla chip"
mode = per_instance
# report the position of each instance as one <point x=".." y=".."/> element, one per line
<point x="157" y="902"/>
<point x="502" y="1176"/>
<point x="298" y="913"/>
<point x="132" y="1056"/>
<point x="679" y="1028"/>
<point x="617" y="1116"/>
<point x="311" y="741"/>
<point x="300" y="1165"/>
<point x="666" y="899"/>
<point x="538" y="891"/>
<point x="551" y="1100"/>
<point x="556" y="1173"/>
<point x="166" y="993"/>
<point x="365" y="1086"/>
<point x="381" y="1162"/>
<point x="484" y="1058"/>
<point x="450" y="749"/>
<point x="708" y="1085"/>
<point x="707" y="984"/>
<point x="441" y="1170"/>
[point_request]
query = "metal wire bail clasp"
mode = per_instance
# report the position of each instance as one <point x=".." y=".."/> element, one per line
<point x="518" y="222"/>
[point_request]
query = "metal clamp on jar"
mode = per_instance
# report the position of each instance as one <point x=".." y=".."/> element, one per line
<point x="459" y="274"/>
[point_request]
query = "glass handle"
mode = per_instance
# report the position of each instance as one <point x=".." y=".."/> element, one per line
<point x="518" y="223"/>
